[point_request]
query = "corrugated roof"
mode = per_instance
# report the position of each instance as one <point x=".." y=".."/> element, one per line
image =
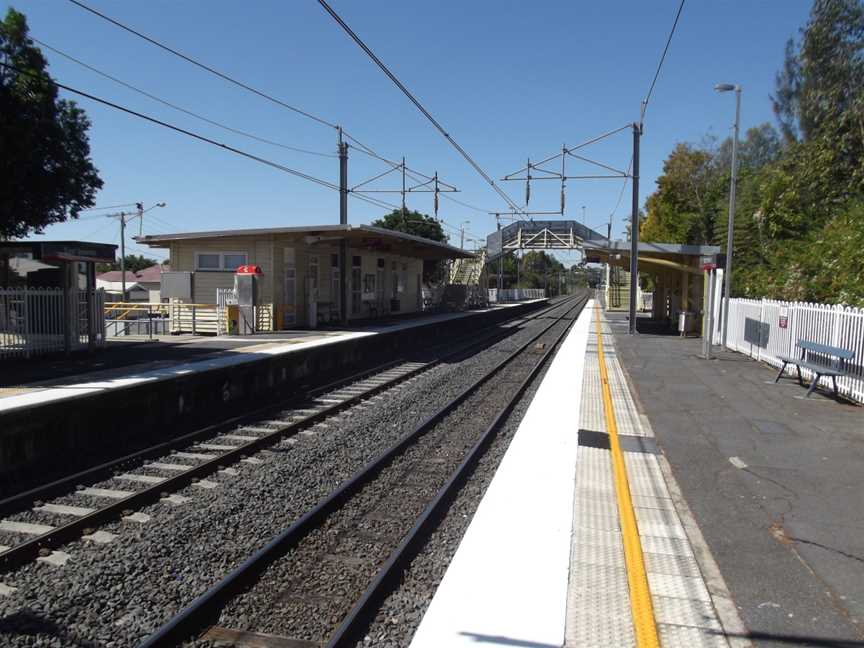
<point x="159" y="240"/>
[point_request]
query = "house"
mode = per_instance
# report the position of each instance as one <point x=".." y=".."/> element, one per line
<point x="302" y="268"/>
<point x="141" y="286"/>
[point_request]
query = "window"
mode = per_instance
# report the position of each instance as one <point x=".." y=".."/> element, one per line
<point x="219" y="261"/>
<point x="369" y="283"/>
<point x="233" y="260"/>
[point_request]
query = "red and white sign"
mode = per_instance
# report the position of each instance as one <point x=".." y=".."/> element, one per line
<point x="783" y="320"/>
<point x="249" y="270"/>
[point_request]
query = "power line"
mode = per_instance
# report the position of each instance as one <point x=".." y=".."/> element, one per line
<point x="414" y="100"/>
<point x="202" y="138"/>
<point x="209" y="69"/>
<point x="662" y="59"/>
<point x="186" y="111"/>
<point x="108" y="206"/>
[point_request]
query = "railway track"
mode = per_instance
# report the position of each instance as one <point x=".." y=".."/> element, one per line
<point x="319" y="581"/>
<point x="35" y="524"/>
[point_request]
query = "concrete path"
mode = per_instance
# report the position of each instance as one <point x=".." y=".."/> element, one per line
<point x="775" y="482"/>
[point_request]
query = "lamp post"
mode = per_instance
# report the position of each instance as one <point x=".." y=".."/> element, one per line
<point x="727" y="271"/>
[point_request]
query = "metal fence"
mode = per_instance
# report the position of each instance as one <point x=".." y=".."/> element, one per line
<point x="765" y="329"/>
<point x="35" y="321"/>
<point x="515" y="294"/>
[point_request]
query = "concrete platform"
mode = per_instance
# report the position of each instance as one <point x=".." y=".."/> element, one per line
<point x="774" y="480"/>
<point x="542" y="562"/>
<point x="70" y="422"/>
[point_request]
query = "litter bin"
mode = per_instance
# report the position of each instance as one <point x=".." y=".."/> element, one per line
<point x="686" y="322"/>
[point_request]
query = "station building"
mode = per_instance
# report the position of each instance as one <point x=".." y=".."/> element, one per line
<point x="301" y="269"/>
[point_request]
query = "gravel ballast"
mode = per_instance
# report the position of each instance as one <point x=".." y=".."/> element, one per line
<point x="116" y="594"/>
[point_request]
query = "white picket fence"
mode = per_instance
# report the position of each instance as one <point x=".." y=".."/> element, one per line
<point x="515" y="294"/>
<point x="765" y="329"/>
<point x="35" y="321"/>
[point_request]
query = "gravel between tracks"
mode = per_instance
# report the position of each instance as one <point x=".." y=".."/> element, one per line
<point x="116" y="594"/>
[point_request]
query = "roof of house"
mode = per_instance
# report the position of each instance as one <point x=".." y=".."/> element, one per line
<point x="363" y="235"/>
<point x="149" y="275"/>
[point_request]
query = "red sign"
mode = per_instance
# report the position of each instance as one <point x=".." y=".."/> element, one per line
<point x="709" y="266"/>
<point x="249" y="270"/>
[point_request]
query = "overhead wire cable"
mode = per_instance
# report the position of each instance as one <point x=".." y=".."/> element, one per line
<point x="662" y="59"/>
<point x="186" y="111"/>
<point x="417" y="103"/>
<point x="183" y="131"/>
<point x="203" y="66"/>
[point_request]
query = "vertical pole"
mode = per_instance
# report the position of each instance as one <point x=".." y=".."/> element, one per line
<point x="343" y="220"/>
<point x="436" y="196"/>
<point x="727" y="272"/>
<point x="709" y="316"/>
<point x="499" y="284"/>
<point x="123" y="255"/>
<point x="461" y="235"/>
<point x="404" y="219"/>
<point x="634" y="229"/>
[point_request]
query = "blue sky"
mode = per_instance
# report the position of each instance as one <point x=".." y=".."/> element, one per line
<point x="507" y="79"/>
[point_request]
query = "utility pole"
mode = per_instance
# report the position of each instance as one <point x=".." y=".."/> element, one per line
<point x="404" y="212"/>
<point x="343" y="220"/>
<point x="634" y="229"/>
<point x="499" y="284"/>
<point x="727" y="271"/>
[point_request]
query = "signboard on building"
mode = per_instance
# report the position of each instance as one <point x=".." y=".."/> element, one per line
<point x="783" y="320"/>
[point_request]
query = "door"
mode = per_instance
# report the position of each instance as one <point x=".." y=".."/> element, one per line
<point x="289" y="288"/>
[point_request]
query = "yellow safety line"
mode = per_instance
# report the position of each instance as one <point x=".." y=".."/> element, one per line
<point x="640" y="595"/>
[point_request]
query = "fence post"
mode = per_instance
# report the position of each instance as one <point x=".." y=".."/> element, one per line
<point x="761" y="322"/>
<point x="194" y="332"/>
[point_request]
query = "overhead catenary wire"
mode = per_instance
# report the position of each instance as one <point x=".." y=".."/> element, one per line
<point x="174" y="106"/>
<point x="203" y="66"/>
<point x="197" y="136"/>
<point x="662" y="60"/>
<point x="417" y="103"/>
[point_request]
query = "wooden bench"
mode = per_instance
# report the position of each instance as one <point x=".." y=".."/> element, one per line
<point x="821" y="359"/>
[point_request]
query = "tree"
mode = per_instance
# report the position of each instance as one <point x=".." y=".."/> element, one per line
<point x="413" y="222"/>
<point x="46" y="175"/>
<point x="134" y="263"/>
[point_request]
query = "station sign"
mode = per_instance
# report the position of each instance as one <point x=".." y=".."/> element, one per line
<point x="783" y="318"/>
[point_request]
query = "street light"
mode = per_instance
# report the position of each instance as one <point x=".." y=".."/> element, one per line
<point x="727" y="272"/>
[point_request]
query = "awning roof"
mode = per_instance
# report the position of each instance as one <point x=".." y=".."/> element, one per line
<point x="652" y="256"/>
<point x="357" y="236"/>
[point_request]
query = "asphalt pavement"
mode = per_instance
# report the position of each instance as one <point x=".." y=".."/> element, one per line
<point x="775" y="482"/>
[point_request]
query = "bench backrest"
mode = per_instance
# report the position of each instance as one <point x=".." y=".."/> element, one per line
<point x="825" y="354"/>
<point x="826" y="349"/>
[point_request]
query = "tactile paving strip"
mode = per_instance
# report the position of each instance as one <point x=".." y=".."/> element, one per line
<point x="598" y="606"/>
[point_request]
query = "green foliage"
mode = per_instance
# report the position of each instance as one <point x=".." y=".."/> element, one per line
<point x="134" y="263"/>
<point x="799" y="221"/>
<point x="46" y="175"/>
<point x="413" y="222"/>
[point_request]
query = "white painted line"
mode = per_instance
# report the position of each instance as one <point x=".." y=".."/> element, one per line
<point x="63" y="509"/>
<point x="507" y="579"/>
<point x="169" y="466"/>
<point x="56" y="559"/>
<point x="141" y="479"/>
<point x="100" y="537"/>
<point x="27" y="528"/>
<point x="735" y="461"/>
<point x="140" y="518"/>
<point x="108" y="493"/>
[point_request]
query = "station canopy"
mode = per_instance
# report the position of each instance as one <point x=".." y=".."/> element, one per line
<point x="652" y="256"/>
<point x="358" y="236"/>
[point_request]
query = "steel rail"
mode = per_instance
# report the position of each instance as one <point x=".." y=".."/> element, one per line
<point x="28" y="550"/>
<point x="391" y="570"/>
<point x="205" y="607"/>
